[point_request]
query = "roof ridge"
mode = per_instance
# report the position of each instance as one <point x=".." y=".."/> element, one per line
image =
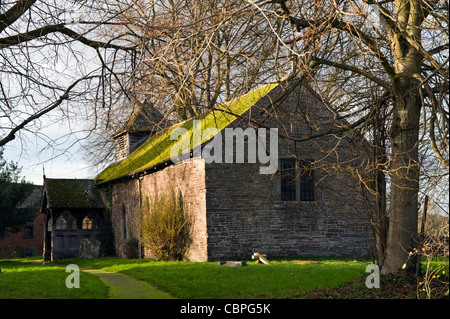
<point x="155" y="149"/>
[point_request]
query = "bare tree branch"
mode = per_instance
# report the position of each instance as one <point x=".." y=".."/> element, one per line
<point x="11" y="135"/>
<point x="57" y="28"/>
<point x="14" y="13"/>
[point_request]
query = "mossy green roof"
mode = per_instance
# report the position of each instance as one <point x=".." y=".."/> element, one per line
<point x="157" y="149"/>
<point x="72" y="193"/>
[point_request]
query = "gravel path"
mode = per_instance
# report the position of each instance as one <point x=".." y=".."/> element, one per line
<point x="125" y="287"/>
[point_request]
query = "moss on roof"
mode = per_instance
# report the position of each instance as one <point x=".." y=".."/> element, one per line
<point x="72" y="193"/>
<point x="158" y="148"/>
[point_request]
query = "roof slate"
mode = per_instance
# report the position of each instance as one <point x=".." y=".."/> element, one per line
<point x="157" y="149"/>
<point x="72" y="193"/>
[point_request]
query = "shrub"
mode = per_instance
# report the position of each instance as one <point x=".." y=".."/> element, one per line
<point x="166" y="227"/>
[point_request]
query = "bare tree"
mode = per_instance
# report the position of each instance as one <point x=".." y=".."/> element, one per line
<point x="398" y="49"/>
<point x="381" y="66"/>
<point x="50" y="59"/>
<point x="198" y="54"/>
<point x="190" y="56"/>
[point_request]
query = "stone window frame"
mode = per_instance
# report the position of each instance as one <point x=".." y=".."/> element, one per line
<point x="297" y="181"/>
<point x="66" y="221"/>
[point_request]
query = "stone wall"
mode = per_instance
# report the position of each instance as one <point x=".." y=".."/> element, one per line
<point x="245" y="214"/>
<point x="246" y="217"/>
<point x="125" y="203"/>
<point x="189" y="177"/>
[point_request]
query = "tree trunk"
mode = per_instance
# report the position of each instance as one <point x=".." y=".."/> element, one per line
<point x="404" y="168"/>
<point x="404" y="165"/>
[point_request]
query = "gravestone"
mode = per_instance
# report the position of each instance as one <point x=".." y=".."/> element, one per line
<point x="89" y="249"/>
<point x="261" y="258"/>
<point x="5" y="252"/>
<point x="19" y="252"/>
<point x="233" y="263"/>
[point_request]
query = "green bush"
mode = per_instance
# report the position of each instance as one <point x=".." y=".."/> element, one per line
<point x="166" y="227"/>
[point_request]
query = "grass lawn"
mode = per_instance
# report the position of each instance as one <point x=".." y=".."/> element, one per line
<point x="25" y="280"/>
<point x="192" y="280"/>
<point x="283" y="278"/>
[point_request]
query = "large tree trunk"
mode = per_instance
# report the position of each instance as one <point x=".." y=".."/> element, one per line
<point x="404" y="165"/>
<point x="404" y="175"/>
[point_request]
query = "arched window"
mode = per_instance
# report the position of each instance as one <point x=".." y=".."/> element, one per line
<point x="66" y="221"/>
<point x="91" y="221"/>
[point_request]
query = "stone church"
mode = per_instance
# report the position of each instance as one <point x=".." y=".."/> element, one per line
<point x="312" y="204"/>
